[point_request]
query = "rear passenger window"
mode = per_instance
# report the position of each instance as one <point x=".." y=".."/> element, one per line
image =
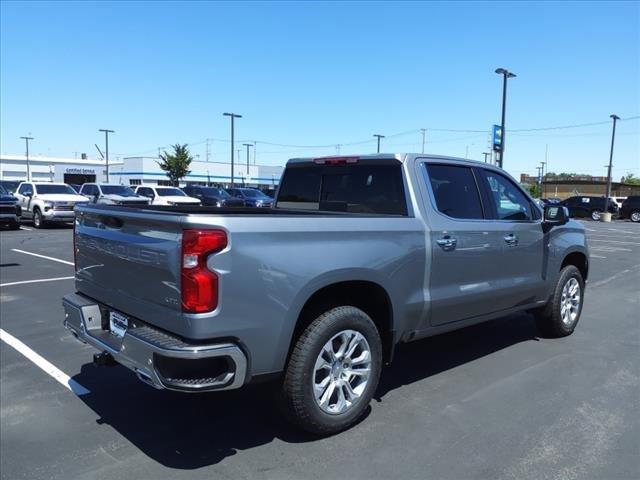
<point x="455" y="191"/>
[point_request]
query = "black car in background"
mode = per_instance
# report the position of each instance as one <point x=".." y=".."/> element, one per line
<point x="585" y="206"/>
<point x="9" y="185"/>
<point x="10" y="211"/>
<point x="631" y="208"/>
<point x="212" y="196"/>
<point x="251" y="197"/>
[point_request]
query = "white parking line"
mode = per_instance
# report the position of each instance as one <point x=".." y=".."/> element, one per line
<point x="45" y="365"/>
<point x="43" y="256"/>
<point x="611" y="241"/>
<point x="40" y="280"/>
<point x="26" y="228"/>
<point x="596" y="256"/>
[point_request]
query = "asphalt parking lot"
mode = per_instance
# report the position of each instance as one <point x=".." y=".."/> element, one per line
<point x="491" y="401"/>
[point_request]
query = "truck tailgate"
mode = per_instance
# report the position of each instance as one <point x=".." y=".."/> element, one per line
<point x="130" y="261"/>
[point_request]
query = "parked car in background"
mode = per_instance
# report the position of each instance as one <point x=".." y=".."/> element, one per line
<point x="360" y="254"/>
<point x="592" y="207"/>
<point x="112" y="194"/>
<point x="551" y="200"/>
<point x="166" y="196"/>
<point x="10" y="185"/>
<point x="10" y="211"/>
<point x="48" y="202"/>
<point x="251" y="197"/>
<point x="631" y="208"/>
<point x="212" y="196"/>
<point x="76" y="187"/>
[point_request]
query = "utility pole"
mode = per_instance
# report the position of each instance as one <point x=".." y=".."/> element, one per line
<point x="542" y="165"/>
<point x="539" y="168"/>
<point x="233" y="117"/>
<point x="424" y="137"/>
<point x="255" y="155"/>
<point x="106" y="148"/>
<point x="505" y="75"/>
<point x="486" y="154"/>
<point x="378" y="136"/>
<point x="26" y="141"/>
<point x="207" y="150"/>
<point x="247" y="145"/>
<point x="613" y="137"/>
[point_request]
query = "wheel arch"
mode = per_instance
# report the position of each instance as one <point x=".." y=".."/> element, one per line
<point x="367" y="295"/>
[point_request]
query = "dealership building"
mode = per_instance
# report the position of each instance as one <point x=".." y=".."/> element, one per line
<point x="134" y="171"/>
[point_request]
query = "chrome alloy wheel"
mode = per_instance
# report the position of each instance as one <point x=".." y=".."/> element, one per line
<point x="635" y="216"/>
<point x="570" y="301"/>
<point x="595" y="215"/>
<point x="341" y="372"/>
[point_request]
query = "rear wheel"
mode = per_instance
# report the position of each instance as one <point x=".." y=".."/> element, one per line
<point x="38" y="220"/>
<point x="595" y="215"/>
<point x="635" y="216"/>
<point x="333" y="371"/>
<point x="561" y="315"/>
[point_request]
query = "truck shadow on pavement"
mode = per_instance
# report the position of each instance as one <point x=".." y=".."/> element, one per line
<point x="190" y="431"/>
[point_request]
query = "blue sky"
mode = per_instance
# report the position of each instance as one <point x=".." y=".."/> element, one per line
<point x="321" y="74"/>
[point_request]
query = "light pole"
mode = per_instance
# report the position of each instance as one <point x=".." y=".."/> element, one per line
<point x="26" y="141"/>
<point x="106" y="148"/>
<point x="613" y="138"/>
<point x="378" y="136"/>
<point x="486" y="154"/>
<point x="505" y="75"/>
<point x="233" y="117"/>
<point x="543" y="165"/>
<point x="247" y="145"/>
<point x="424" y="137"/>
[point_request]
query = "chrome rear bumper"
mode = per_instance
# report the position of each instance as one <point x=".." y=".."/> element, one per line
<point x="157" y="358"/>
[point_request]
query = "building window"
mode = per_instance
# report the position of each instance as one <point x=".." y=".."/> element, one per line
<point x="135" y="181"/>
<point x="165" y="183"/>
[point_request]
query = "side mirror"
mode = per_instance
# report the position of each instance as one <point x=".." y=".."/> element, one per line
<point x="555" y="215"/>
<point x="28" y="194"/>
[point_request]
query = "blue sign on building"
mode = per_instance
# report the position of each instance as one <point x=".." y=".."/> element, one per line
<point x="497" y="138"/>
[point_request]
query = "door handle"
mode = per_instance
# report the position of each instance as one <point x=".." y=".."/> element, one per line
<point x="511" y="240"/>
<point x="447" y="243"/>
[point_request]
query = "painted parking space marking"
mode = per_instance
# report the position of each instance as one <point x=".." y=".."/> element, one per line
<point x="596" y="256"/>
<point x="43" y="256"/>
<point x="26" y="228"/>
<point x="40" y="280"/>
<point x="612" y="241"/>
<point x="44" y="364"/>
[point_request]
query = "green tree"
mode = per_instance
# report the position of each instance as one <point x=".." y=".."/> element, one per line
<point x="631" y="179"/>
<point x="534" y="190"/>
<point x="176" y="164"/>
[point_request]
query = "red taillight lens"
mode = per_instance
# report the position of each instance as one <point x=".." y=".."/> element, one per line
<point x="199" y="284"/>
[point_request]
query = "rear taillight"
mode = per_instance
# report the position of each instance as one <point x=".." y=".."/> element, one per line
<point x="199" y="284"/>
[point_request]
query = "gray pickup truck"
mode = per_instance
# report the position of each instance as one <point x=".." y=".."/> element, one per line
<point x="358" y="255"/>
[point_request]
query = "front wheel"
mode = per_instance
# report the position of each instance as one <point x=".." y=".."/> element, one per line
<point x="560" y="316"/>
<point x="38" y="220"/>
<point x="635" y="216"/>
<point x="595" y="215"/>
<point x="333" y="371"/>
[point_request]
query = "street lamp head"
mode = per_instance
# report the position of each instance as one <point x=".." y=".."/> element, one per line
<point x="614" y="116"/>
<point x="504" y="71"/>
<point x="234" y="115"/>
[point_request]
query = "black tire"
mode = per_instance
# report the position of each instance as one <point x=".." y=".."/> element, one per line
<point x="297" y="396"/>
<point x="549" y="318"/>
<point x="596" y="215"/>
<point x="634" y="216"/>
<point x="38" y="219"/>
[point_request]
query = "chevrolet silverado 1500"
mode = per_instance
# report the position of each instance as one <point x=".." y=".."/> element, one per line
<point x="358" y="254"/>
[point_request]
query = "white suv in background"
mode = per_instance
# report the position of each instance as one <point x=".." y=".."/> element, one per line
<point x="46" y="202"/>
<point x="166" y="196"/>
